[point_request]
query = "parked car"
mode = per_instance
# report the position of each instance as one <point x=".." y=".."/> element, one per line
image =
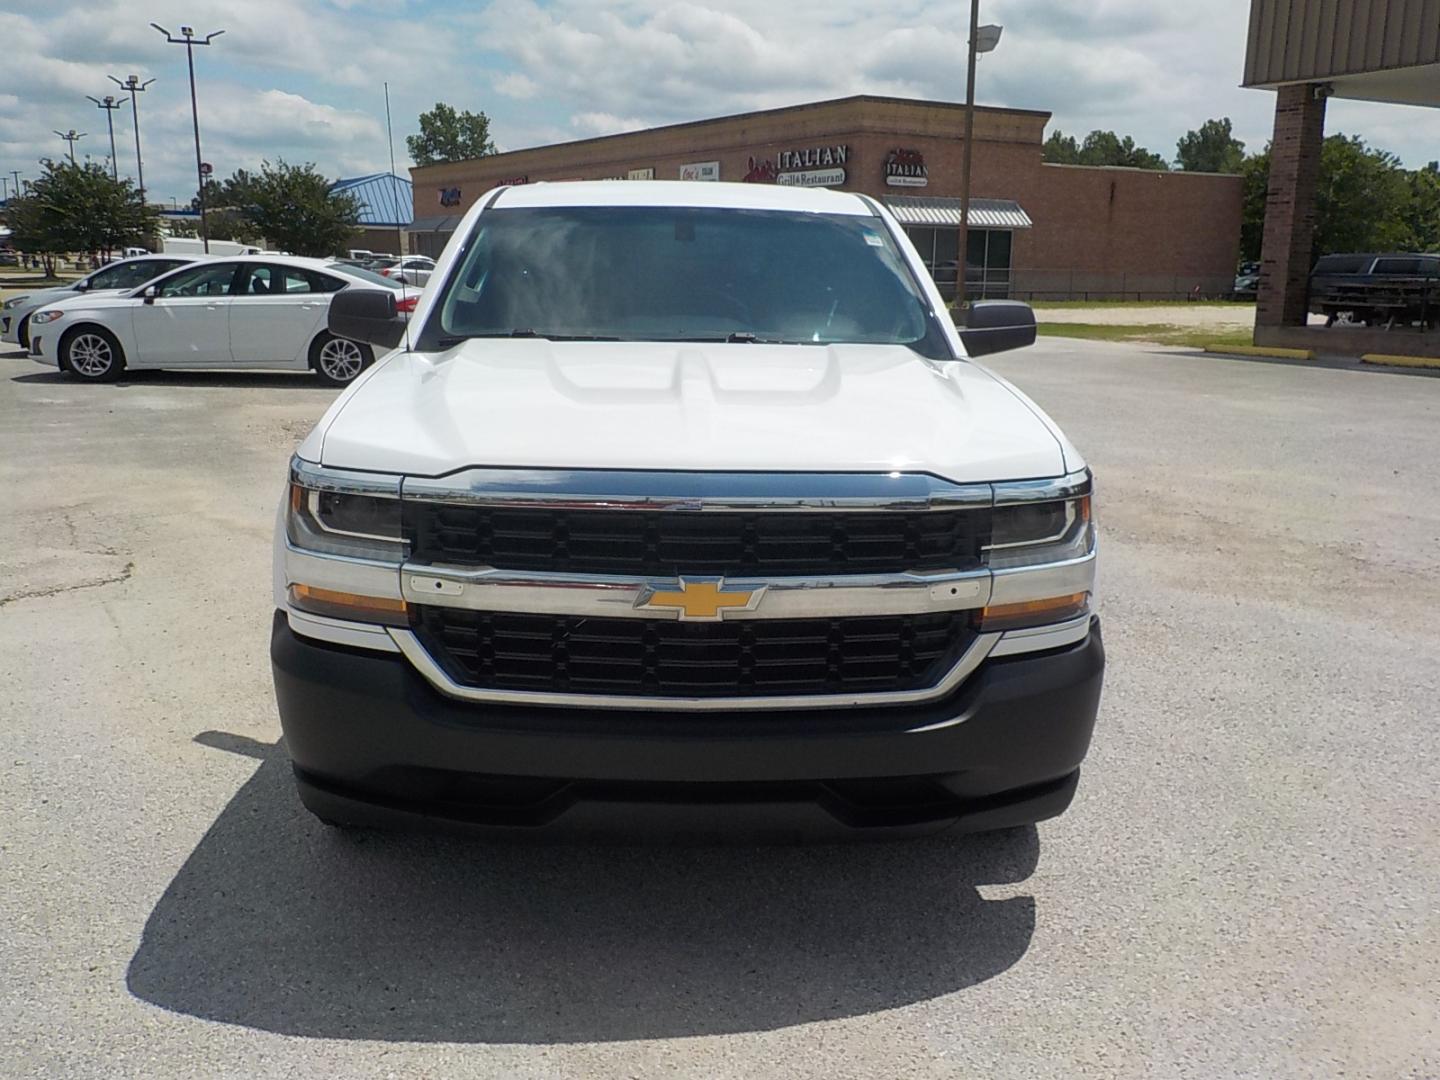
<point x="107" y="281"/>
<point x="190" y="245"/>
<point x="642" y="527"/>
<point x="412" y="269"/>
<point x="407" y="295"/>
<point x="246" y="312"/>
<point x="1377" y="289"/>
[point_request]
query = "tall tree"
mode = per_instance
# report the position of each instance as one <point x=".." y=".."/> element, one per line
<point x="225" y="205"/>
<point x="1211" y="148"/>
<point x="293" y="208"/>
<point x="1424" y="216"/>
<point x="1361" y="200"/>
<point x="447" y="135"/>
<point x="79" y="208"/>
<point x="1364" y="201"/>
<point x="1061" y="149"/>
<point x="1101" y="148"/>
<point x="1255" y="177"/>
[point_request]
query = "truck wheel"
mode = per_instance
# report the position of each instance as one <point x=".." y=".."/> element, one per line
<point x="338" y="360"/>
<point x="91" y="353"/>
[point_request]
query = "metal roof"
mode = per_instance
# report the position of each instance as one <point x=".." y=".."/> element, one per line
<point x="932" y="210"/>
<point x="385" y="199"/>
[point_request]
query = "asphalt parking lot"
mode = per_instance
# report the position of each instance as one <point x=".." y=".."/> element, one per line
<point x="1247" y="885"/>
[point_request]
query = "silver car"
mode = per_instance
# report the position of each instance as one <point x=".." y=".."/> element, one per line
<point x="114" y="278"/>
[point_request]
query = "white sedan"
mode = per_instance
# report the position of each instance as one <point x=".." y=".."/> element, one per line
<point x="256" y="311"/>
<point x="411" y="269"/>
<point x="108" y="280"/>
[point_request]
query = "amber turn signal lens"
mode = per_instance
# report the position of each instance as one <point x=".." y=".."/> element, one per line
<point x="1033" y="612"/>
<point x="343" y="605"/>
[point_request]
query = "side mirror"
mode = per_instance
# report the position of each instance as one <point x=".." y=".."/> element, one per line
<point x="367" y="315"/>
<point x="83" y="285"/>
<point x="150" y="292"/>
<point x="994" y="326"/>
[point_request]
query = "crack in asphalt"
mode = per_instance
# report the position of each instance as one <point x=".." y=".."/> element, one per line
<point x="56" y="590"/>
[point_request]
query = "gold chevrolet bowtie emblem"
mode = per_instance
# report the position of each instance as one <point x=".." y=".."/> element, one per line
<point x="702" y="600"/>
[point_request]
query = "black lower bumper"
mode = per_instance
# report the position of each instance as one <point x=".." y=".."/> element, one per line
<point x="373" y="743"/>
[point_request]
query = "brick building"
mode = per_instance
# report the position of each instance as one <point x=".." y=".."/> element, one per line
<point x="1037" y="230"/>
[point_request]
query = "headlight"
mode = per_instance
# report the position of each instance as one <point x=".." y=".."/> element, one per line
<point x="1039" y="550"/>
<point x="354" y="518"/>
<point x="42" y="317"/>
<point x="1029" y="534"/>
<point x="15" y="301"/>
<point x="354" y="524"/>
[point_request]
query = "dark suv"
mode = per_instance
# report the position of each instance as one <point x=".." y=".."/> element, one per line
<point x="1378" y="290"/>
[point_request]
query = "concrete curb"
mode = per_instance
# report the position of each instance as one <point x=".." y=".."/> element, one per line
<point x="1401" y="361"/>
<point x="1261" y="350"/>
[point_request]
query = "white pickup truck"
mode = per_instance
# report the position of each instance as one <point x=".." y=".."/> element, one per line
<point x="682" y="506"/>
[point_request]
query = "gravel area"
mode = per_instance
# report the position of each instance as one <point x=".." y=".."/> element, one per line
<point x="1247" y="885"/>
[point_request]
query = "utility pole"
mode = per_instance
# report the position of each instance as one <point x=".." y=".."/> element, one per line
<point x="188" y="39"/>
<point x="963" y="256"/>
<point x="71" y="137"/>
<point x="135" y="86"/>
<point x="982" y="40"/>
<point x="110" y="105"/>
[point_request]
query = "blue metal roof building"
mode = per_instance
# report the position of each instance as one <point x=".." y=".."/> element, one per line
<point x="385" y="199"/>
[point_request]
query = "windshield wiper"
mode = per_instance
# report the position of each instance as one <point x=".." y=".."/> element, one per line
<point x="737" y="337"/>
<point x="521" y="332"/>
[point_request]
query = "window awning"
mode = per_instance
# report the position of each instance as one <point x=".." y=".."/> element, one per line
<point x="935" y="211"/>
<point x="443" y="223"/>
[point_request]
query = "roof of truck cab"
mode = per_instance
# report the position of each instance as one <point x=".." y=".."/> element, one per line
<point x="681" y="193"/>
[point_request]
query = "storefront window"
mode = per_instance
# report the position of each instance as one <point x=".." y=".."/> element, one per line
<point x="987" y="266"/>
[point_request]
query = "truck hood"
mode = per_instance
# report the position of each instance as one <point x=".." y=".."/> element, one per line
<point x="655" y="405"/>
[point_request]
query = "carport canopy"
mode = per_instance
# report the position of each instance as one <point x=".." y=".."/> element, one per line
<point x="442" y="223"/>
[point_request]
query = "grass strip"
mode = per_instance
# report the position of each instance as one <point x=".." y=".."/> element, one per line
<point x="1193" y="337"/>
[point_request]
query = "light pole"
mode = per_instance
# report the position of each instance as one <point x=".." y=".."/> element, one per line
<point x="71" y="137"/>
<point x="982" y="40"/>
<point x="109" y="105"/>
<point x="188" y="39"/>
<point x="135" y="86"/>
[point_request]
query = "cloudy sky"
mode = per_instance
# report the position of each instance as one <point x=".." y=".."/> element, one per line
<point x="302" y="79"/>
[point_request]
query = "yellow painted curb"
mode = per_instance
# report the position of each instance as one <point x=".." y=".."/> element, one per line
<point x="1401" y="361"/>
<point x="1261" y="350"/>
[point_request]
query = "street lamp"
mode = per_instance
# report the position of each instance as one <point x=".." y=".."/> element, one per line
<point x="135" y="86"/>
<point x="188" y="39"/>
<point x="109" y="105"/>
<point x="983" y="39"/>
<point x="71" y="137"/>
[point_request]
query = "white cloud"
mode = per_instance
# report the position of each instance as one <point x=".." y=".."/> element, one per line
<point x="600" y="123"/>
<point x="301" y="79"/>
<point x="517" y="86"/>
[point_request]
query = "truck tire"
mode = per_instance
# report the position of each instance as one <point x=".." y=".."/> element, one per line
<point x="91" y="353"/>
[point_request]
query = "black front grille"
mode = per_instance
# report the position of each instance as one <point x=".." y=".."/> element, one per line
<point x="674" y="542"/>
<point x="666" y="658"/>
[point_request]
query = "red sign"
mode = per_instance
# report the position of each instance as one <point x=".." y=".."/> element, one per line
<point x="761" y="172"/>
<point x="906" y="168"/>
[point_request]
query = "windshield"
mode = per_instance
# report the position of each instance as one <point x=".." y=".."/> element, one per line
<point x="131" y="275"/>
<point x="686" y="274"/>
